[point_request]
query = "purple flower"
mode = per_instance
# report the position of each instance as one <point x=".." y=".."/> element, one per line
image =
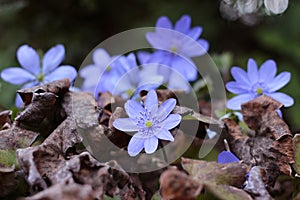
<point x="36" y="72"/>
<point x="176" y="45"/>
<point x="255" y="82"/>
<point x="227" y="157"/>
<point x="103" y="71"/>
<point x="119" y="75"/>
<point x="150" y="122"/>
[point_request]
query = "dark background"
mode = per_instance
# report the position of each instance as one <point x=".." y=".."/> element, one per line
<point x="82" y="24"/>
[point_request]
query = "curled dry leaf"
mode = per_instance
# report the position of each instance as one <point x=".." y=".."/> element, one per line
<point x="41" y="161"/>
<point x="59" y="88"/>
<point x="176" y="185"/>
<point x="270" y="146"/>
<point x="5" y="121"/>
<point x="222" y="180"/>
<point x="44" y="102"/>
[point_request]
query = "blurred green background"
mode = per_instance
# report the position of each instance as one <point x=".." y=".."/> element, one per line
<point x="82" y="24"/>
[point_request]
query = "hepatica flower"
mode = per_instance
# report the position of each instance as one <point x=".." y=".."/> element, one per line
<point x="150" y="122"/>
<point x="255" y="82"/>
<point x="119" y="75"/>
<point x="175" y="45"/>
<point x="34" y="71"/>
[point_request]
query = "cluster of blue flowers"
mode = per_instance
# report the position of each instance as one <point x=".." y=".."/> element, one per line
<point x="174" y="46"/>
<point x="170" y="64"/>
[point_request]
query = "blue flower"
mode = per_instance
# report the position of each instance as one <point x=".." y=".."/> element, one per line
<point x="255" y="82"/>
<point x="133" y="79"/>
<point x="227" y="157"/>
<point x="33" y="73"/>
<point x="103" y="70"/>
<point x="119" y="75"/>
<point x="150" y="122"/>
<point x="176" y="45"/>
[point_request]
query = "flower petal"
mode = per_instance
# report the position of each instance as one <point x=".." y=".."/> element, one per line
<point x="151" y="102"/>
<point x="286" y="100"/>
<point x="64" y="71"/>
<point x="267" y="71"/>
<point x="204" y="46"/>
<point x="236" y="88"/>
<point x="240" y="75"/>
<point x="165" y="109"/>
<point x="151" y="144"/>
<point x="279" y="81"/>
<point x="133" y="109"/>
<point x="171" y="121"/>
<point x="195" y="32"/>
<point x="143" y="56"/>
<point x="164" y="134"/>
<point x="136" y="145"/>
<point x="53" y="58"/>
<point x="29" y="59"/>
<point x="101" y="58"/>
<point x="125" y="124"/>
<point x="159" y="40"/>
<point x="185" y="67"/>
<point x="252" y="70"/>
<point x="177" y="81"/>
<point x="183" y="24"/>
<point x="16" y="75"/>
<point x="164" y="22"/>
<point x="236" y="102"/>
<point x="227" y="157"/>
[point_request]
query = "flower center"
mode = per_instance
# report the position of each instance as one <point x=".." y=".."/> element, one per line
<point x="174" y="49"/>
<point x="148" y="124"/>
<point x="40" y="77"/>
<point x="259" y="91"/>
<point x="108" y="68"/>
<point x="130" y="92"/>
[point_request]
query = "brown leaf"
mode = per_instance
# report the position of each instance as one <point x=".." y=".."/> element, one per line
<point x="42" y="104"/>
<point x="212" y="172"/>
<point x="260" y="115"/>
<point x="5" y="119"/>
<point x="16" y="137"/>
<point x="40" y="161"/>
<point x="176" y="185"/>
<point x="222" y="180"/>
<point x="269" y="145"/>
<point x="65" y="191"/>
<point x="8" y="183"/>
<point x="59" y="88"/>
<point x="255" y="184"/>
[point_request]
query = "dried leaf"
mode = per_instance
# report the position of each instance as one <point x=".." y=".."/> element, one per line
<point x="296" y="147"/>
<point x="222" y="180"/>
<point x="5" y="119"/>
<point x="16" y="137"/>
<point x="43" y="160"/>
<point x="65" y="191"/>
<point x="176" y="185"/>
<point x="190" y="114"/>
<point x="59" y="88"/>
<point x="255" y="185"/>
<point x="269" y="145"/>
<point x="42" y="105"/>
<point x="8" y="183"/>
<point x="260" y="115"/>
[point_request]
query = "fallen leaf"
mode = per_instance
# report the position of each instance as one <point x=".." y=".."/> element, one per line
<point x="268" y="144"/>
<point x="176" y="185"/>
<point x="222" y="180"/>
